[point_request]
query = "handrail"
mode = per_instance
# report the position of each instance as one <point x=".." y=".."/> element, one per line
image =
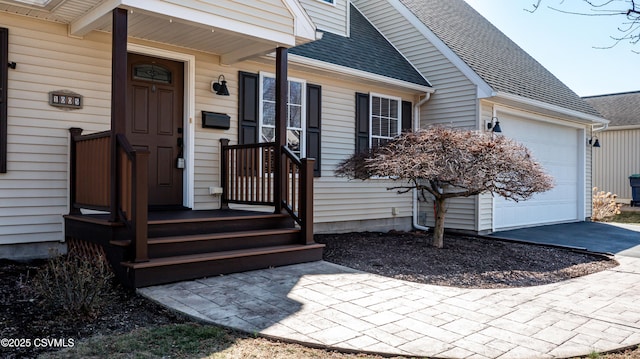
<point x="91" y="180"/>
<point x="133" y="196"/>
<point x="297" y="198"/>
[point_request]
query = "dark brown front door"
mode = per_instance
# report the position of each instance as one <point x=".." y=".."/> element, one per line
<point x="155" y="93"/>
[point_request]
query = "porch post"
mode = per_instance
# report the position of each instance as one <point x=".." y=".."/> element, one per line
<point x="73" y="168"/>
<point x="282" y="95"/>
<point x="118" y="97"/>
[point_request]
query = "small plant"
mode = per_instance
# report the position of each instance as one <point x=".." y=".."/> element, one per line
<point x="604" y="205"/>
<point x="74" y="285"/>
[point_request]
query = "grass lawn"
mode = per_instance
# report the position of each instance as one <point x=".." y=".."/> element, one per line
<point x="192" y="341"/>
<point x="211" y="342"/>
<point x="630" y="217"/>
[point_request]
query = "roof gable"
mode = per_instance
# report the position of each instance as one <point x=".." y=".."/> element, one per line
<point x="500" y="62"/>
<point x="621" y="109"/>
<point x="365" y="49"/>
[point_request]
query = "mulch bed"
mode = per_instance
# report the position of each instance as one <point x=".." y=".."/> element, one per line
<point x="468" y="262"/>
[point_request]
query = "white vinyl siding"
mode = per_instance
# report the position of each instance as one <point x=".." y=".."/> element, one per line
<point x="615" y="160"/>
<point x="329" y="17"/>
<point x="337" y="200"/>
<point x="340" y="200"/>
<point x="454" y="103"/>
<point x="33" y="192"/>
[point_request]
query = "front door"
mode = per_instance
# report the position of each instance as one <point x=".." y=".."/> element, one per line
<point x="155" y="93"/>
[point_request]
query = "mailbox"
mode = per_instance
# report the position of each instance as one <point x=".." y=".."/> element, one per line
<point x="215" y="120"/>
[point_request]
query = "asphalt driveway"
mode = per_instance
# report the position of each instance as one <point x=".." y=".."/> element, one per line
<point x="619" y="239"/>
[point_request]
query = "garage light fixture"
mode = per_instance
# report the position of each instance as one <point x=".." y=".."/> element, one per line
<point x="594" y="141"/>
<point x="220" y="87"/>
<point x="494" y="126"/>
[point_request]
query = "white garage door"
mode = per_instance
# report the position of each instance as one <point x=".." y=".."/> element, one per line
<point x="557" y="149"/>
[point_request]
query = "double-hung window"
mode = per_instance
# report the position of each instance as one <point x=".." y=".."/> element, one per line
<point x="296" y="113"/>
<point x="385" y="119"/>
<point x="380" y="118"/>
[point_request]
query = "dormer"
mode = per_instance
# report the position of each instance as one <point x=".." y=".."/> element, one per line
<point x="329" y="15"/>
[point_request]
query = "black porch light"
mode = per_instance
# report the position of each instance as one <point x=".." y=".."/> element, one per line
<point x="594" y="141"/>
<point x="220" y="87"/>
<point x="494" y="126"/>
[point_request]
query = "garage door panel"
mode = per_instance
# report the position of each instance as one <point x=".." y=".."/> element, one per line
<point x="556" y="148"/>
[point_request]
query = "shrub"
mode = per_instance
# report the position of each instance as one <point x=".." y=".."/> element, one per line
<point x="604" y="205"/>
<point x="74" y="285"/>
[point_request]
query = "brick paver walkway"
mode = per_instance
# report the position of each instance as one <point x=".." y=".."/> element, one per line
<point x="335" y="306"/>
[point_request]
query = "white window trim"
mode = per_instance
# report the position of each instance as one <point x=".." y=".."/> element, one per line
<point x="332" y="2"/>
<point x="399" y="123"/>
<point x="303" y="114"/>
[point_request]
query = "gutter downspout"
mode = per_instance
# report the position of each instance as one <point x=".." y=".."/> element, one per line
<point x="416" y="126"/>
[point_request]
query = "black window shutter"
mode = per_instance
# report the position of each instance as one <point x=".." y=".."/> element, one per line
<point x="314" y="114"/>
<point x="362" y="122"/>
<point x="4" y="82"/>
<point x="407" y="116"/>
<point x="248" y="87"/>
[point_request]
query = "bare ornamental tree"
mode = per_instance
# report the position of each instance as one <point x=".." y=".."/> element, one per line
<point x="627" y="10"/>
<point x="444" y="163"/>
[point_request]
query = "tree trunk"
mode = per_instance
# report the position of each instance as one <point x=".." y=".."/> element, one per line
<point x="438" y="230"/>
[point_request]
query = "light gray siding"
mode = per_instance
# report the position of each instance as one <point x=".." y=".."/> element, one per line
<point x="329" y="17"/>
<point x="615" y="160"/>
<point x="453" y="104"/>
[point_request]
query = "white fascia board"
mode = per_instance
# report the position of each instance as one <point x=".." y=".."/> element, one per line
<point x="187" y="14"/>
<point x="347" y="71"/>
<point x="89" y="21"/>
<point x="484" y="90"/>
<point x="393" y="45"/>
<point x="305" y="28"/>
<point x="576" y="115"/>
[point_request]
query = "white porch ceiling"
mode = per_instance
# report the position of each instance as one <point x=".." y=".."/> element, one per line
<point x="158" y="21"/>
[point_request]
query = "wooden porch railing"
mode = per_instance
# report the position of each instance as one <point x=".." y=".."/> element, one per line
<point x="90" y="178"/>
<point x="133" y="193"/>
<point x="248" y="177"/>
<point x="91" y="182"/>
<point x="248" y="173"/>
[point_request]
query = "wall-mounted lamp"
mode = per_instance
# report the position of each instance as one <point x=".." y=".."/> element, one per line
<point x="220" y="87"/>
<point x="494" y="125"/>
<point x="594" y="142"/>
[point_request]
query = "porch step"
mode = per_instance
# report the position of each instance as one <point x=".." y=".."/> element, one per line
<point x="192" y="225"/>
<point x="215" y="242"/>
<point x="192" y="266"/>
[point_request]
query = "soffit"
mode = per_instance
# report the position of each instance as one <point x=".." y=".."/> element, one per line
<point x="234" y="35"/>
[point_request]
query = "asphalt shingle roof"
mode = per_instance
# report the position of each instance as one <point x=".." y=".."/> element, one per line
<point x="500" y="62"/>
<point x="621" y="109"/>
<point x="365" y="49"/>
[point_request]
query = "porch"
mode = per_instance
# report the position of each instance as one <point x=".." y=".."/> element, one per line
<point x="146" y="247"/>
<point x="112" y="181"/>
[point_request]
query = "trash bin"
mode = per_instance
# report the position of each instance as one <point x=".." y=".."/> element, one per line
<point x="634" y="181"/>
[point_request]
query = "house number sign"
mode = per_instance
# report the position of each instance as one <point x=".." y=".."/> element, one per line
<point x="65" y="99"/>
